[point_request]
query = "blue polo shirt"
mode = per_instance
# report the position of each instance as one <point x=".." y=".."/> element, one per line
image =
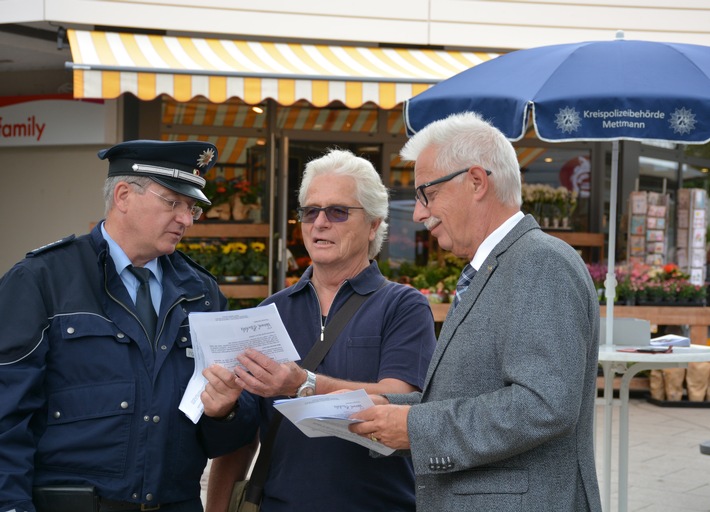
<point x="390" y="336"/>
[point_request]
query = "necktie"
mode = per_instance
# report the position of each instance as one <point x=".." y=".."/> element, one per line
<point x="466" y="277"/>
<point x="144" y="303"/>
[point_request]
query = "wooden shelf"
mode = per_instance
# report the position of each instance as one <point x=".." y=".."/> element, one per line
<point x="579" y="239"/>
<point x="585" y="242"/>
<point x="245" y="291"/>
<point x="227" y="230"/>
<point x="696" y="317"/>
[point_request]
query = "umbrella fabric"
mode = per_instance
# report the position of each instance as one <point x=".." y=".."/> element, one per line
<point x="599" y="90"/>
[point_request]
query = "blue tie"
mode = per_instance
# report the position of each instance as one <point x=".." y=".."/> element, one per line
<point x="466" y="277"/>
<point x="144" y="302"/>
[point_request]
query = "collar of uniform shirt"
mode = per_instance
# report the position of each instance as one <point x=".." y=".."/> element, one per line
<point x="121" y="261"/>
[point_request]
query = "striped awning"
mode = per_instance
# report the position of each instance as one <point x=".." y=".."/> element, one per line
<point x="108" y="64"/>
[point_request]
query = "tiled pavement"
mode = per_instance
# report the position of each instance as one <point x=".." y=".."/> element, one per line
<point x="667" y="472"/>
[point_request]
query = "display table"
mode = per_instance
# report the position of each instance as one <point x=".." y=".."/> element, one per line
<point x="613" y="362"/>
<point x="696" y="317"/>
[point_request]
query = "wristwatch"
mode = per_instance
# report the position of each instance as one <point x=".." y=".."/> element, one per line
<point x="232" y="413"/>
<point x="308" y="388"/>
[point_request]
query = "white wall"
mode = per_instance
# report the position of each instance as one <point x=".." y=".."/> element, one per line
<point x="47" y="193"/>
<point x="497" y="24"/>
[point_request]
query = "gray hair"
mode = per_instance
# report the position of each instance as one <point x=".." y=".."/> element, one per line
<point x="465" y="139"/>
<point x="370" y="192"/>
<point x="111" y="183"/>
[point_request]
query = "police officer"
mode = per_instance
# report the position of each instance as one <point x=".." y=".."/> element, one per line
<point x="95" y="351"/>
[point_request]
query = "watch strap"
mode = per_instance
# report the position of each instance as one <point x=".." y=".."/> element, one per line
<point x="310" y="382"/>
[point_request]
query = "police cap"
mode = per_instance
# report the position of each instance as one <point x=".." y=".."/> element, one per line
<point x="177" y="165"/>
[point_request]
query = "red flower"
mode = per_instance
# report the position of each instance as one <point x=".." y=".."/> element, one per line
<point x="670" y="268"/>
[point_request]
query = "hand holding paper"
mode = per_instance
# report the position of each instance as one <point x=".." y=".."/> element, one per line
<point x="219" y="337"/>
<point x="329" y="415"/>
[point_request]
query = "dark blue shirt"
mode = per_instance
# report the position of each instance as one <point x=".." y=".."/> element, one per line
<point x="390" y="336"/>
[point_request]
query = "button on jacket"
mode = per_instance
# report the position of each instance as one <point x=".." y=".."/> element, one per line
<point x="87" y="399"/>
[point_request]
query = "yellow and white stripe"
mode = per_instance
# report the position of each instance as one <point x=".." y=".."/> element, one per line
<point x="108" y="64"/>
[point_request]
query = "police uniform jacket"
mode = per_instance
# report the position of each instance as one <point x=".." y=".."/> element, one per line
<point x="86" y="398"/>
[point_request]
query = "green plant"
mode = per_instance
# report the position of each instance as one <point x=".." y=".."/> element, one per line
<point x="434" y="277"/>
<point x="692" y="293"/>
<point x="205" y="254"/>
<point x="257" y="260"/>
<point x="232" y="258"/>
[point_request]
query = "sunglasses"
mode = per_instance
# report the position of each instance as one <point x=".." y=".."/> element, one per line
<point x="309" y="214"/>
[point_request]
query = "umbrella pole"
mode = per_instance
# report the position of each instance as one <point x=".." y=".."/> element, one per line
<point x="610" y="292"/>
<point x="610" y="282"/>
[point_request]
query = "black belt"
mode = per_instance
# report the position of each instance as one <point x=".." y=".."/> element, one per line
<point x="111" y="505"/>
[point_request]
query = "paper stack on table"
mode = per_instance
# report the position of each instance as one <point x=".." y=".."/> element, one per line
<point x="670" y="340"/>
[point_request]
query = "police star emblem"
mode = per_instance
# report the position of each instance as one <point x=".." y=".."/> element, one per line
<point x="205" y="157"/>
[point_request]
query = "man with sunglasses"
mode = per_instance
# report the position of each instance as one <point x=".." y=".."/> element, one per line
<point x="95" y="351"/>
<point x="384" y="348"/>
<point x="504" y="421"/>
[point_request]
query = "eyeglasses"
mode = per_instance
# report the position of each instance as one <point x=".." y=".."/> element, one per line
<point x="421" y="196"/>
<point x="309" y="214"/>
<point x="181" y="206"/>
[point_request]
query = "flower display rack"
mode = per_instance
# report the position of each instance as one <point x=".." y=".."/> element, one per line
<point x="231" y="231"/>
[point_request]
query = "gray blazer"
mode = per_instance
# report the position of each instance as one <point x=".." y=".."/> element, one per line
<point x="505" y="419"/>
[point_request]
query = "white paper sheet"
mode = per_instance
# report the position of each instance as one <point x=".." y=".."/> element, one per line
<point x="670" y="340"/>
<point x="219" y="337"/>
<point x="328" y="415"/>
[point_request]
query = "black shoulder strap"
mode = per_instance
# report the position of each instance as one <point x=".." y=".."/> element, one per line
<point x="332" y="331"/>
<point x="310" y="362"/>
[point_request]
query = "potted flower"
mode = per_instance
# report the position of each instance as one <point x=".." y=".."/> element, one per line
<point x="566" y="202"/>
<point x="204" y="254"/>
<point x="233" y="198"/>
<point x="256" y="261"/>
<point x="233" y="261"/>
<point x="218" y="191"/>
<point x="246" y="198"/>
<point x="692" y="294"/>
<point x="249" y="193"/>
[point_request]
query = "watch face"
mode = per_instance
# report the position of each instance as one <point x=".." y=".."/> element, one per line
<point x="308" y="391"/>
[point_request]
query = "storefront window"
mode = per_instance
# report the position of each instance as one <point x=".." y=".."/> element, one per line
<point x="302" y="116"/>
<point x="408" y="240"/>
<point x="554" y="170"/>
<point x="395" y="122"/>
<point x="202" y="113"/>
<point x="236" y="185"/>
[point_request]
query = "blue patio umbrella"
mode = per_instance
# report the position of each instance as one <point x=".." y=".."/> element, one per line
<point x="589" y="91"/>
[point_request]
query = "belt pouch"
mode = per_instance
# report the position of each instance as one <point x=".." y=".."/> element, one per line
<point x="65" y="498"/>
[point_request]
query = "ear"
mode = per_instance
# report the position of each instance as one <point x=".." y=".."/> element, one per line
<point x="480" y="180"/>
<point x="121" y="193"/>
<point x="373" y="228"/>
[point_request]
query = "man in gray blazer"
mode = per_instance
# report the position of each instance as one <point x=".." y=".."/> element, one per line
<point x="505" y="419"/>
